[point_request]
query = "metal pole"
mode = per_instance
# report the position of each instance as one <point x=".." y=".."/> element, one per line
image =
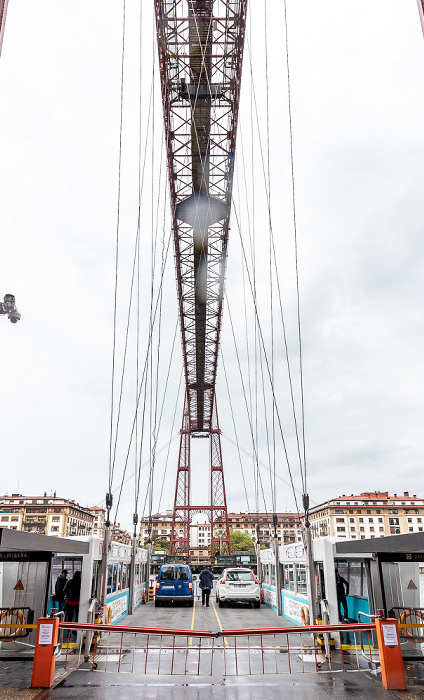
<point x="421" y="11"/>
<point x="132" y="575"/>
<point x="258" y="555"/>
<point x="311" y="563"/>
<point x="277" y="568"/>
<point x="105" y="552"/>
<point x="3" y="10"/>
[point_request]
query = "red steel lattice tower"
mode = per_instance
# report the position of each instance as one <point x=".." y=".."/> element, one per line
<point x="200" y="45"/>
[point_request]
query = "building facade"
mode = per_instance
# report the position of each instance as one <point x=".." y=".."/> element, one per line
<point x="46" y="515"/>
<point x="288" y="528"/>
<point x="98" y="514"/>
<point x="369" y="515"/>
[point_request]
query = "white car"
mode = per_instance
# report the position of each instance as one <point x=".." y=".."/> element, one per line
<point x="238" y="586"/>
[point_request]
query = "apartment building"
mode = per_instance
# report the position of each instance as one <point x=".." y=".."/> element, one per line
<point x="98" y="514"/>
<point x="288" y="528"/>
<point x="46" y="515"/>
<point x="370" y="514"/>
<point x="161" y="524"/>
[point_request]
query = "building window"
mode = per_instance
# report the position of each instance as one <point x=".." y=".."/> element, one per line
<point x="54" y="529"/>
<point x="362" y="529"/>
<point x="341" y="529"/>
<point x="352" y="520"/>
<point x="361" y="520"/>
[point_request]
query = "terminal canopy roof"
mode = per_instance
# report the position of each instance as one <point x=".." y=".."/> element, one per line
<point x="16" y="540"/>
<point x="408" y="547"/>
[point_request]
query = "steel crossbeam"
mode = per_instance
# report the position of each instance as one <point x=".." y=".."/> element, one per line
<point x="200" y="44"/>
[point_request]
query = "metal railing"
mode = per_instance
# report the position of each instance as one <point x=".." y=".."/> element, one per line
<point x="238" y="652"/>
<point x="410" y="622"/>
<point x="16" y="623"/>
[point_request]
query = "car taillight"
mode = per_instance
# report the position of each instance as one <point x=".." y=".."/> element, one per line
<point x="256" y="580"/>
<point x="190" y="586"/>
<point x="157" y="585"/>
<point x="222" y="580"/>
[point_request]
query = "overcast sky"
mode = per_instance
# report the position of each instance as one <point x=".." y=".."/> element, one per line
<point x="357" y="98"/>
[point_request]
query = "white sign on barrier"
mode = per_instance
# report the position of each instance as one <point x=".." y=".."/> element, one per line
<point x="390" y="636"/>
<point x="46" y="634"/>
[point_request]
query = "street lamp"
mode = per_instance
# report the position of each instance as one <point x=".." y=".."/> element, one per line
<point x="8" y="307"/>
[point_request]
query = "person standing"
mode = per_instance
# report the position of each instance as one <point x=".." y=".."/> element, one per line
<point x="206" y="584"/>
<point x="342" y="587"/>
<point x="59" y="587"/>
<point x="72" y="592"/>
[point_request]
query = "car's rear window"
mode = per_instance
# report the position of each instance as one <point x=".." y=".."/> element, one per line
<point x="173" y="573"/>
<point x="239" y="576"/>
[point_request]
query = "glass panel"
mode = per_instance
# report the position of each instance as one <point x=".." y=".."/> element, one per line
<point x="240" y="575"/>
<point x="364" y="581"/>
<point x="288" y="582"/>
<point x="355" y="571"/>
<point x="272" y="575"/>
<point x="301" y="579"/>
<point x="124" y="574"/>
<point x="174" y="573"/>
<point x="109" y="578"/>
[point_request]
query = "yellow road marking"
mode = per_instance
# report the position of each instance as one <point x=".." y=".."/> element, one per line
<point x="219" y="623"/>
<point x="192" y="622"/>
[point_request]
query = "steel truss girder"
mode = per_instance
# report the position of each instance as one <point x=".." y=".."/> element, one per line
<point x="200" y="45"/>
<point x="217" y="509"/>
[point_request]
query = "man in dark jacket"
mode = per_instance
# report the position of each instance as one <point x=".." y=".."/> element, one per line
<point x="342" y="587"/>
<point x="206" y="584"/>
<point x="72" y="598"/>
<point x="59" y="587"/>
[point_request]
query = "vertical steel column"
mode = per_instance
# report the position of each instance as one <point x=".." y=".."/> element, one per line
<point x="220" y="529"/>
<point x="181" y="513"/>
<point x="3" y="10"/>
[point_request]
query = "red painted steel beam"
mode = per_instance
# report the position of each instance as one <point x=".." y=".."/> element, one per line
<point x="200" y="45"/>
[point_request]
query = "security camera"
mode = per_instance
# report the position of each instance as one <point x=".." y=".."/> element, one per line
<point x="14" y="316"/>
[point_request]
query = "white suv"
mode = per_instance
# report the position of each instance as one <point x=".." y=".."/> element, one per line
<point x="238" y="585"/>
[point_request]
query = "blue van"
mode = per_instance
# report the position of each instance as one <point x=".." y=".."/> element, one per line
<point x="174" y="583"/>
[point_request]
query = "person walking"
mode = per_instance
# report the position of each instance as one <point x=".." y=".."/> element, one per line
<point x="72" y="593"/>
<point x="59" y="587"/>
<point x="206" y="584"/>
<point x="342" y="587"/>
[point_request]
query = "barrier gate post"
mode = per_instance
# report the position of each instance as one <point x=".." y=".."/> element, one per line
<point x="392" y="670"/>
<point x="44" y="656"/>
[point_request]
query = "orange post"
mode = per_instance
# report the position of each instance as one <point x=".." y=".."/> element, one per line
<point x="392" y="671"/>
<point x="44" y="657"/>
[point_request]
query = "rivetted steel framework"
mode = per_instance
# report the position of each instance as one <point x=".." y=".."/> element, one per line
<point x="200" y="44"/>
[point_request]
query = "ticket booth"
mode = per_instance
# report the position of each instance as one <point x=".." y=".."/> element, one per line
<point x="26" y="568"/>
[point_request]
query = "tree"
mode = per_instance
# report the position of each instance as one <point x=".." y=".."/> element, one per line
<point x="159" y="545"/>
<point x="241" y="541"/>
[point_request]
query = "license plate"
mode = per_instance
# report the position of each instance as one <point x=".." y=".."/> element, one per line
<point x="167" y="586"/>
